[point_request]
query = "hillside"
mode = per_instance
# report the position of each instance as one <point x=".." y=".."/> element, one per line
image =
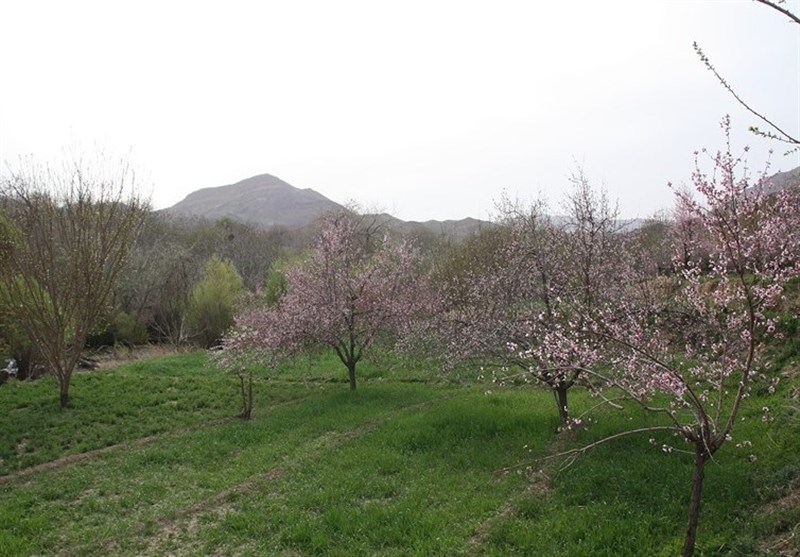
<point x="263" y="200"/>
<point x="782" y="180"/>
<point x="267" y="201"/>
<point x="455" y="230"/>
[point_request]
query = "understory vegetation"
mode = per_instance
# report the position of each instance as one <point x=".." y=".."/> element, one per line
<point x="151" y="460"/>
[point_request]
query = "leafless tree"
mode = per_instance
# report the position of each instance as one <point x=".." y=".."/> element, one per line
<point x="67" y="229"/>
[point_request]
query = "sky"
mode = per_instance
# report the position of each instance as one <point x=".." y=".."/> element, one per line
<point x="425" y="109"/>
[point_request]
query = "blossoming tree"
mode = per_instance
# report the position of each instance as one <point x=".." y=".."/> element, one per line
<point x="529" y="312"/>
<point x="349" y="294"/>
<point x="689" y="346"/>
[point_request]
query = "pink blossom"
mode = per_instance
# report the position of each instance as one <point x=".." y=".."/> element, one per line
<point x="347" y="295"/>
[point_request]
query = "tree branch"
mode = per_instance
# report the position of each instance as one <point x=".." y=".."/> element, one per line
<point x="778" y="8"/>
<point x="786" y="138"/>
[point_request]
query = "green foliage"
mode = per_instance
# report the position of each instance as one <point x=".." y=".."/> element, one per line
<point x="785" y="346"/>
<point x="127" y="330"/>
<point x="14" y="341"/>
<point x="211" y="307"/>
<point x="15" y="337"/>
<point x="276" y="284"/>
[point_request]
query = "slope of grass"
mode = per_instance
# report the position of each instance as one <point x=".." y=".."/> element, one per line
<point x="113" y="406"/>
<point x="400" y="467"/>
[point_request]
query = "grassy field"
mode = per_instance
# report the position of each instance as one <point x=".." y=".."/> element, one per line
<point x="150" y="460"/>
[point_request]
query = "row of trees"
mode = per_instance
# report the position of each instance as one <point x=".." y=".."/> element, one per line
<point x="77" y="238"/>
<point x="161" y="285"/>
<point x="578" y="300"/>
<point x="566" y="302"/>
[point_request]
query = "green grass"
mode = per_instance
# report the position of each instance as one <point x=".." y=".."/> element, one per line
<point x="401" y="467"/>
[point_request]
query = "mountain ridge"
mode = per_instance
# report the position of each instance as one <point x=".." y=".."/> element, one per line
<point x="267" y="201"/>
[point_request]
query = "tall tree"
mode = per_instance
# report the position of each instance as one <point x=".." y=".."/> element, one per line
<point x="67" y="230"/>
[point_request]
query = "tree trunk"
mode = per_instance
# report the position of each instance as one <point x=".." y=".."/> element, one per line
<point x="247" y="397"/>
<point x="701" y="456"/>
<point x="63" y="383"/>
<point x="561" y="401"/>
<point x="351" y="371"/>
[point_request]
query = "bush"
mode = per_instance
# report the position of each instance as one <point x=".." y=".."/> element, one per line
<point x="127" y="330"/>
<point x="211" y="306"/>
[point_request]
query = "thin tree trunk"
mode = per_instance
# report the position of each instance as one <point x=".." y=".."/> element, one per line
<point x="243" y="413"/>
<point x="63" y="383"/>
<point x="561" y="401"/>
<point x="351" y="371"/>
<point x="700" y="458"/>
<point x="247" y="397"/>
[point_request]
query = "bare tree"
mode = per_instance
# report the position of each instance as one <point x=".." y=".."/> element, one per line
<point x="67" y="231"/>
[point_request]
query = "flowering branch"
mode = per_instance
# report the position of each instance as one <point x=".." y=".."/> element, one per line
<point x="585" y="448"/>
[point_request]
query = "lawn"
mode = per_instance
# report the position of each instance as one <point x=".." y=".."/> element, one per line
<point x="151" y="460"/>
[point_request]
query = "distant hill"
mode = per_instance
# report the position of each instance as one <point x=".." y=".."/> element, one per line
<point x="267" y="201"/>
<point x="262" y="200"/>
<point x="782" y="180"/>
<point x="452" y="229"/>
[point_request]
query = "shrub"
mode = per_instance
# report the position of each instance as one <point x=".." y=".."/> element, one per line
<point x="211" y="307"/>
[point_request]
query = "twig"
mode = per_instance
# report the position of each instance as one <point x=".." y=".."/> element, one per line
<point x="786" y="137"/>
<point x="585" y="448"/>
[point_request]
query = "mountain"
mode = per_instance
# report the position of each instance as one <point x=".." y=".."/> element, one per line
<point x="782" y="180"/>
<point x="262" y="200"/>
<point x="267" y="201"/>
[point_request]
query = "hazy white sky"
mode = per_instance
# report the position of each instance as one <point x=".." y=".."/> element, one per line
<point x="426" y="109"/>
